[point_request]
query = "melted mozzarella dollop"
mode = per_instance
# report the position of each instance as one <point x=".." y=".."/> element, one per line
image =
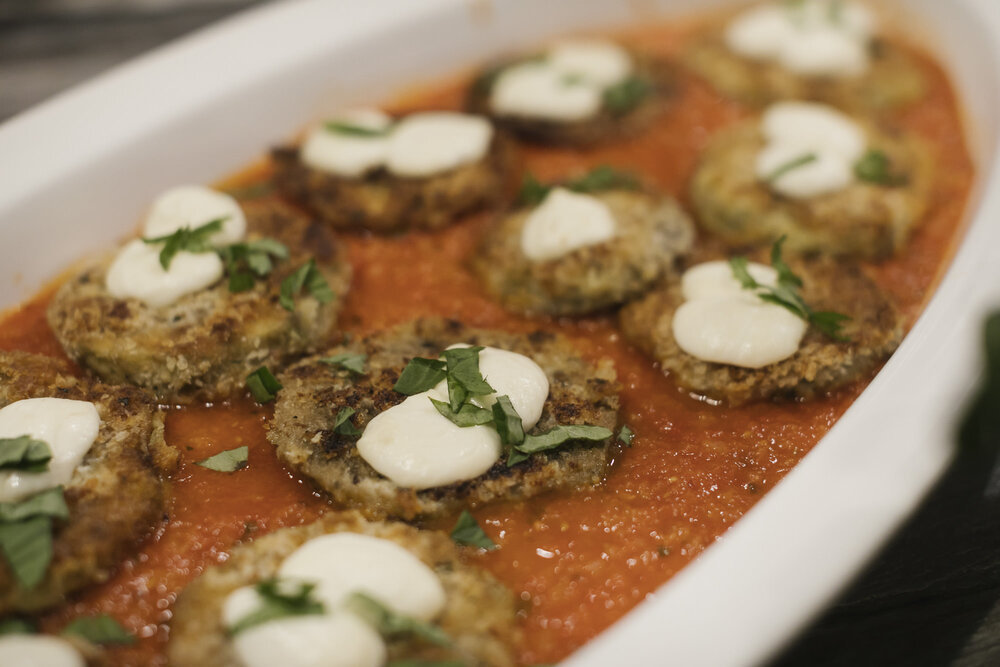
<point x="793" y="130"/>
<point x="36" y="650"/>
<point x="136" y="271"/>
<point x="812" y="38"/>
<point x="68" y="427"/>
<point x="567" y="85"/>
<point x="724" y="323"/>
<point x="340" y="564"/>
<point x="564" y="222"/>
<point x="418" y="146"/>
<point x="415" y="446"/>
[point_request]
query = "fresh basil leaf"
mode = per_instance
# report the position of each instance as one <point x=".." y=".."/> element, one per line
<point x="829" y="324"/>
<point x="351" y="130"/>
<point x="467" y="415"/>
<point x="741" y="273"/>
<point x="230" y="460"/>
<point x="16" y="626"/>
<point x="515" y="456"/>
<point x="27" y="546"/>
<point x="532" y="191"/>
<point x="49" y="502"/>
<point x="280" y="599"/>
<point x="507" y="422"/>
<point x="420" y="375"/>
<point x="456" y="395"/>
<point x="186" y="239"/>
<point x="342" y="423"/>
<point x="559" y="435"/>
<point x="468" y="533"/>
<point x="263" y="385"/>
<point x="876" y="167"/>
<point x="241" y="281"/>
<point x="603" y="177"/>
<point x="309" y="277"/>
<point x="354" y="363"/>
<point x="24" y="453"/>
<point x="625" y="435"/>
<point x="626" y="95"/>
<point x="785" y="274"/>
<point x="791" y="165"/>
<point x="463" y="368"/>
<point x="390" y="623"/>
<point x="101" y="629"/>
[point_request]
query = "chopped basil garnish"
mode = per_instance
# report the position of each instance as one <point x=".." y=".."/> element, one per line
<point x="464" y="378"/>
<point x="390" y="623"/>
<point x="342" y="423"/>
<point x="309" y="277"/>
<point x="467" y="415"/>
<point x="263" y="385"/>
<point x="26" y="534"/>
<point x="230" y="460"/>
<point x="16" y="626"/>
<point x="626" y="95"/>
<point x="420" y="375"/>
<point x="875" y="167"/>
<point x="786" y="295"/>
<point x="625" y="436"/>
<point x="186" y="239"/>
<point x="979" y="431"/>
<point x="468" y="533"/>
<point x="507" y="422"/>
<point x="354" y="363"/>
<point x="559" y="435"/>
<point x="101" y="629"/>
<point x="280" y="599"/>
<point x="602" y="177"/>
<point x="24" y="453"/>
<point x="791" y="165"/>
<point x="352" y="130"/>
<point x="245" y="262"/>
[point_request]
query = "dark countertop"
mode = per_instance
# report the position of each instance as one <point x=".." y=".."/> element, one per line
<point x="932" y="597"/>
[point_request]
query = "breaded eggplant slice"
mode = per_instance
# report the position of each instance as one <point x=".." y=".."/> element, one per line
<point x="203" y="345"/>
<point x="116" y="495"/>
<point x="479" y="614"/>
<point x="865" y="219"/>
<point x="652" y="232"/>
<point x="821" y="363"/>
<point x="892" y="80"/>
<point x="314" y="392"/>
<point x="380" y="201"/>
<point x="656" y="76"/>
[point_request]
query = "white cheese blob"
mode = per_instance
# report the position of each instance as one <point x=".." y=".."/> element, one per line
<point x="811" y="38"/>
<point x="424" y="144"/>
<point x="137" y="273"/>
<point x="345" y="563"/>
<point x="346" y="154"/>
<point x="68" y="427"/>
<point x="724" y="323"/>
<point x="564" y="222"/>
<point x="415" y="446"/>
<point x="38" y="651"/>
<point x="193" y="206"/>
<point x="793" y="130"/>
<point x="567" y="85"/>
<point x="336" y="638"/>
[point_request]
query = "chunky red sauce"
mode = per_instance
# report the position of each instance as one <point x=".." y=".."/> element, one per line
<point x="577" y="561"/>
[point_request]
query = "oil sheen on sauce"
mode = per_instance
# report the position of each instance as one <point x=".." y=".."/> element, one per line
<point x="577" y="561"/>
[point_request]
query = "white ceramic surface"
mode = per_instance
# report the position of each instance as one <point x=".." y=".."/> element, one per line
<point x="78" y="170"/>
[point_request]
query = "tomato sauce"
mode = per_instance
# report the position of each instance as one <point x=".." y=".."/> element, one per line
<point x="577" y="561"/>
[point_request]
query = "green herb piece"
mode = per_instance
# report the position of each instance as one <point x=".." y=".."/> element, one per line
<point x="515" y="456"/>
<point x="532" y="192"/>
<point x="791" y="165"/>
<point x="349" y="361"/>
<point x="342" y="423"/>
<point x="24" y="453"/>
<point x="626" y="95"/>
<point x="559" y="435"/>
<point x="280" y="599"/>
<point x="263" y="385"/>
<point x="602" y="177"/>
<point x="507" y="422"/>
<point x="49" y="502"/>
<point x="468" y="533"/>
<point x="875" y="167"/>
<point x="625" y="435"/>
<point x="230" y="460"/>
<point x="464" y="378"/>
<point x="245" y="262"/>
<point x="101" y="629"/>
<point x="309" y="277"/>
<point x="186" y="239"/>
<point x="420" y="375"/>
<point x="786" y="295"/>
<point x="467" y="415"/>
<point x="27" y="546"/>
<point x="979" y="430"/>
<point x="390" y="623"/>
<point x="16" y="626"/>
<point x="352" y="130"/>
